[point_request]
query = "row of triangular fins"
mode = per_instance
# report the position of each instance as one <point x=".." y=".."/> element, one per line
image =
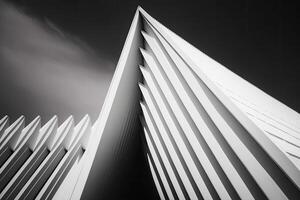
<point x="35" y="160"/>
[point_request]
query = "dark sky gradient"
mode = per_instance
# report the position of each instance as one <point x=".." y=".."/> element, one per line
<point x="258" y="40"/>
<point x="47" y="72"/>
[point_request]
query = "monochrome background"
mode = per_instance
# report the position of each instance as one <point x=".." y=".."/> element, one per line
<point x="58" y="56"/>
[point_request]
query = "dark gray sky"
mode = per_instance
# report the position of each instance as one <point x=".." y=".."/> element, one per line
<point x="46" y="72"/>
<point x="80" y="42"/>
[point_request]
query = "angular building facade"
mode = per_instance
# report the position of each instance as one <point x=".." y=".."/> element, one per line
<point x="175" y="124"/>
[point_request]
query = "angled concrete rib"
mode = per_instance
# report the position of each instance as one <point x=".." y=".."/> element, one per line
<point x="4" y="122"/>
<point x="247" y="143"/>
<point x="56" y="152"/>
<point x="177" y="133"/>
<point x="74" y="152"/>
<point x="41" y="157"/>
<point x="9" y="138"/>
<point x="156" y="179"/>
<point x="36" y="157"/>
<point x="172" y="165"/>
<point x="20" y="154"/>
<point x="158" y="164"/>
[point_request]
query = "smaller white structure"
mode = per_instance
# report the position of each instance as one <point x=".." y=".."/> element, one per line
<point x="35" y="160"/>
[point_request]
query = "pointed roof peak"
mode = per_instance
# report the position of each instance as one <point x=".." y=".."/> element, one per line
<point x="140" y="9"/>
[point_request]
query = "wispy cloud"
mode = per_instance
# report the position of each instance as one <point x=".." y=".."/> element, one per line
<point x="45" y="71"/>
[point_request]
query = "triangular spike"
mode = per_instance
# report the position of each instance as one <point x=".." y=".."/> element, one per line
<point x="49" y="126"/>
<point x="30" y="129"/>
<point x="86" y="134"/>
<point x="69" y="134"/>
<point x="13" y="132"/>
<point x="81" y="126"/>
<point x="65" y="126"/>
<point x="11" y="128"/>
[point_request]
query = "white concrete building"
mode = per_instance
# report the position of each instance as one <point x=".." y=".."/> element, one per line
<point x="206" y="132"/>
